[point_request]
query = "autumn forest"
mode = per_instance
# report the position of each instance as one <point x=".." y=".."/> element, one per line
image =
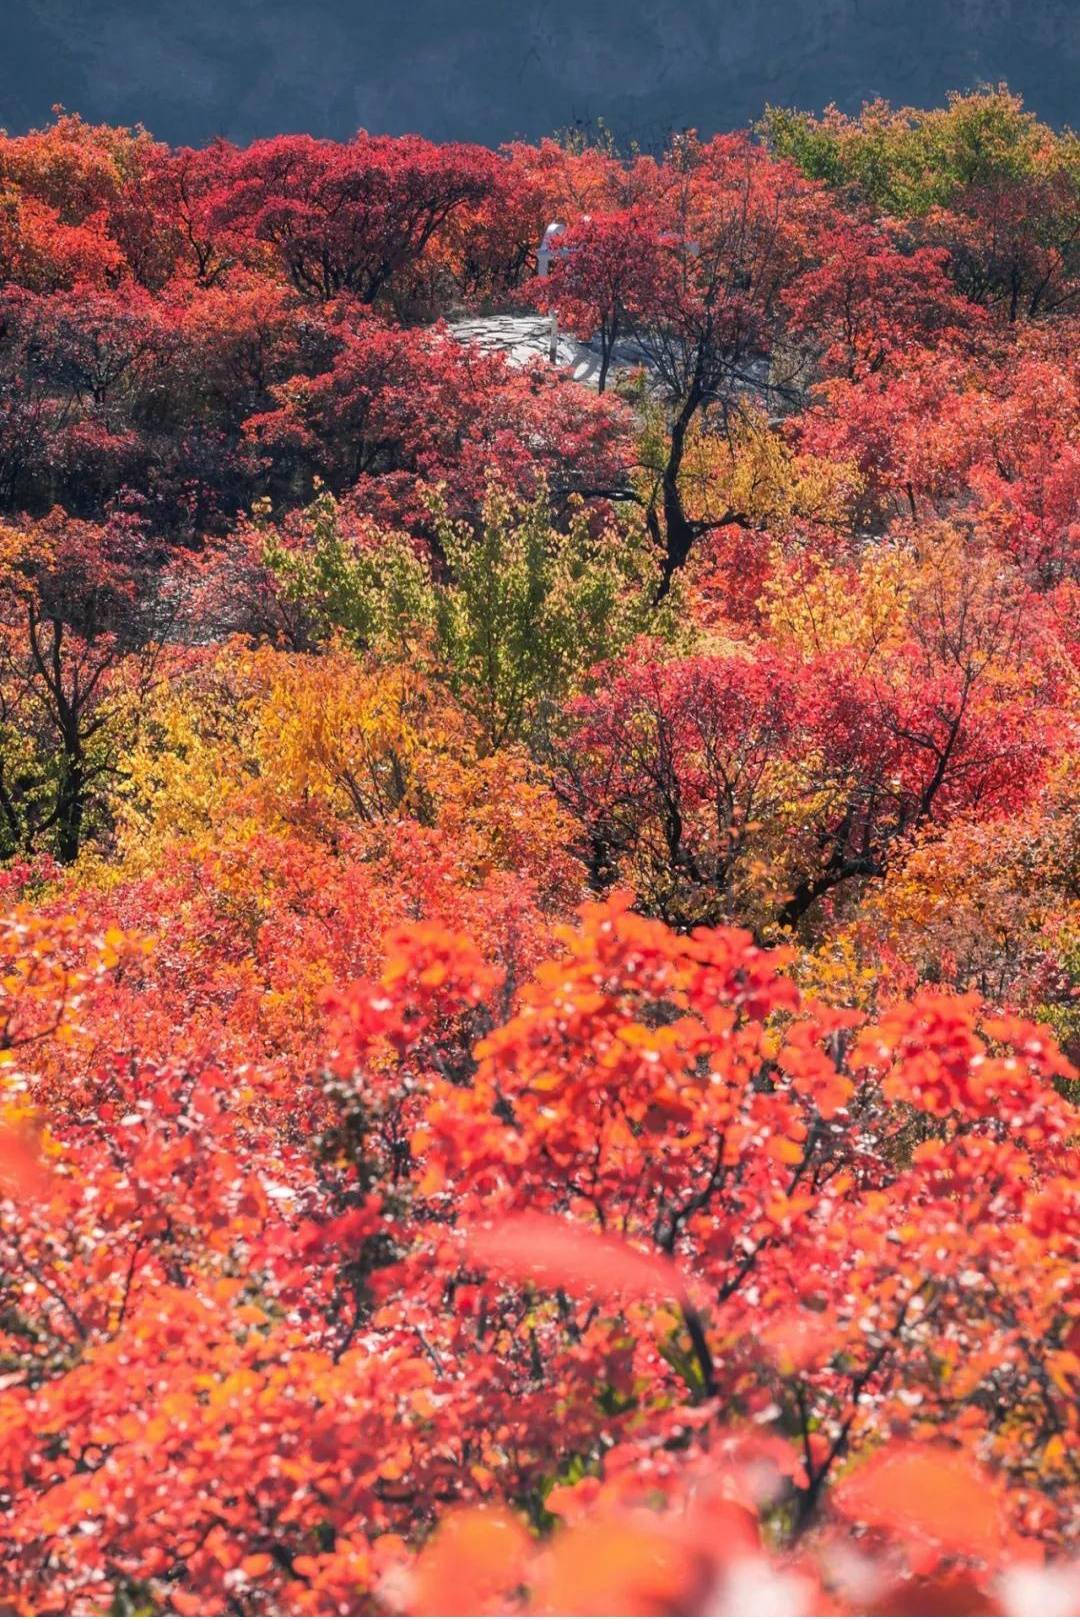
<point x="540" y="913"/>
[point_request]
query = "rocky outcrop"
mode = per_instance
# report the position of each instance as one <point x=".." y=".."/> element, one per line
<point x="491" y="69"/>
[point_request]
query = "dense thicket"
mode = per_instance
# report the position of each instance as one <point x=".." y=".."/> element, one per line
<point x="541" y="926"/>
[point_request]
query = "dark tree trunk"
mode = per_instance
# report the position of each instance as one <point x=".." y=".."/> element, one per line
<point x="71" y="799"/>
<point x="679" y="533"/>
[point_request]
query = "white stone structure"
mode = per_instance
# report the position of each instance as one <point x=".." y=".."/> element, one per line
<point x="528" y="337"/>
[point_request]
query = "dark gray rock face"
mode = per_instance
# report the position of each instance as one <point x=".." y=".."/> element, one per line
<point x="493" y="69"/>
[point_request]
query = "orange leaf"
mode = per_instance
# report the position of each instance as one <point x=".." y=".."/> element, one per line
<point x="475" y="1558"/>
<point x="929" y="1494"/>
<point x="187" y="1602"/>
<point x="22" y="1173"/>
<point x="784" y="1150"/>
<point x="258" y="1564"/>
<point x="619" y="1567"/>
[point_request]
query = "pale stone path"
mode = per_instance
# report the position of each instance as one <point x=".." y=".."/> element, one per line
<point x="526" y="337"/>
<point x="523" y="338"/>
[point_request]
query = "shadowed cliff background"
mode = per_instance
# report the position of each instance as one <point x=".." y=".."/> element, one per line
<point x="493" y="69"/>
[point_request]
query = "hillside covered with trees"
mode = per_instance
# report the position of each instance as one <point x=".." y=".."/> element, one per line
<point x="541" y="924"/>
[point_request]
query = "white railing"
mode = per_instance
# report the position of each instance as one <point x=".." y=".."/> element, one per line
<point x="548" y="246"/>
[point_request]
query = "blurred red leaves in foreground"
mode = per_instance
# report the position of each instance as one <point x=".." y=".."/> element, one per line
<point x="557" y="1254"/>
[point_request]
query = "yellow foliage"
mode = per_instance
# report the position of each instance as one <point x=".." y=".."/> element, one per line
<point x="17" y="545"/>
<point x="333" y="734"/>
<point x="843" y="971"/>
<point x="263" y="742"/>
<point x="979" y="906"/>
<point x="190" y="760"/>
<point x="814" y="606"/>
<point x="749" y="469"/>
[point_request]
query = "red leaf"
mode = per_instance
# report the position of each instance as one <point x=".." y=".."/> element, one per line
<point x="557" y="1254"/>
